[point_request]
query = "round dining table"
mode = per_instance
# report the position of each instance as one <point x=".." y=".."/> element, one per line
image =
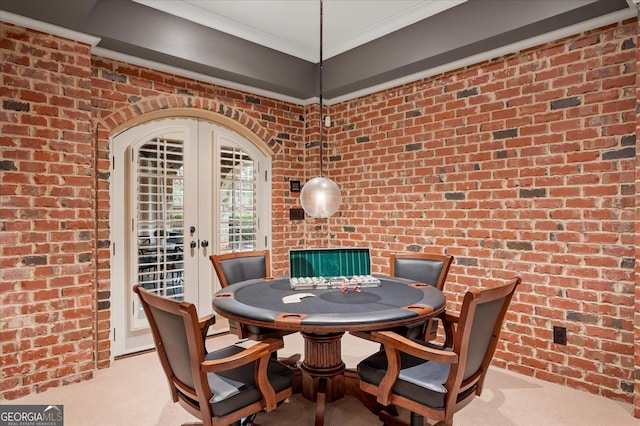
<point x="322" y="316"/>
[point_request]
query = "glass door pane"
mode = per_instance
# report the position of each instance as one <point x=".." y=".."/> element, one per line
<point x="159" y="220"/>
<point x="238" y="221"/>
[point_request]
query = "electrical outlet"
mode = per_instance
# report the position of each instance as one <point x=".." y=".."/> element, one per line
<point x="560" y="335"/>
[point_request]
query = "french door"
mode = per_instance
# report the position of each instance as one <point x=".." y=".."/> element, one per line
<point x="181" y="189"/>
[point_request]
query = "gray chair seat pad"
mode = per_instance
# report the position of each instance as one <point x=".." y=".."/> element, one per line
<point x="421" y="381"/>
<point x="236" y="388"/>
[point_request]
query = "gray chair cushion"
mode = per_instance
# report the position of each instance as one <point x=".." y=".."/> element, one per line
<point x="236" y="388"/>
<point x="421" y="270"/>
<point x="421" y="381"/>
<point x="243" y="268"/>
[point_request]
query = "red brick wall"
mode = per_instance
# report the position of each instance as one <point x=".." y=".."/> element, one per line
<point x="637" y="244"/>
<point x="48" y="213"/>
<point x="521" y="165"/>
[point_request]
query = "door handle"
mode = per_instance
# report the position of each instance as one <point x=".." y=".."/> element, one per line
<point x="204" y="243"/>
<point x="192" y="230"/>
<point x="193" y="244"/>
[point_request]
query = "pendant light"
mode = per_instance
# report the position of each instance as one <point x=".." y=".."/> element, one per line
<point x="320" y="197"/>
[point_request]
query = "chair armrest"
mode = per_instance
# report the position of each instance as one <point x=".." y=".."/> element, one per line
<point x="450" y="323"/>
<point x="205" y="323"/>
<point x="261" y="354"/>
<point x="393" y="345"/>
<point x="428" y="352"/>
<point x="247" y="356"/>
<point x="253" y="353"/>
<point x="451" y="317"/>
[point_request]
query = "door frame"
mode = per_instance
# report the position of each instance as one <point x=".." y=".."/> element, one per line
<point x="120" y="180"/>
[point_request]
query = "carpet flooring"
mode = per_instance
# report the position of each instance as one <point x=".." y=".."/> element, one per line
<point x="134" y="392"/>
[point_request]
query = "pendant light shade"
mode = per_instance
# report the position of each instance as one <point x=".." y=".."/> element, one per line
<point x="320" y="197"/>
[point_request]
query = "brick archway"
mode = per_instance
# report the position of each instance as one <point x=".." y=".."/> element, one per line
<point x="189" y="106"/>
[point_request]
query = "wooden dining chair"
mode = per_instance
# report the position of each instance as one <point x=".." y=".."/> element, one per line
<point x="428" y="268"/>
<point x="232" y="268"/>
<point x="221" y="387"/>
<point x="434" y="382"/>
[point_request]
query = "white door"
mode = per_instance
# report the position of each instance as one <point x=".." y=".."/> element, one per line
<point x="181" y="190"/>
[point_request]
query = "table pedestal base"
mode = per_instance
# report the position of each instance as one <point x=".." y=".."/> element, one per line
<point x="323" y="360"/>
<point x="322" y="370"/>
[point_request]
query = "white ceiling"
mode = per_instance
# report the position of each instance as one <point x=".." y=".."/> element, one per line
<point x="293" y="26"/>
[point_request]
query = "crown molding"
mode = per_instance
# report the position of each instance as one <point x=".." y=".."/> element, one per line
<point x="158" y="66"/>
<point x="23" y="21"/>
<point x="490" y="54"/>
<point x="591" y="24"/>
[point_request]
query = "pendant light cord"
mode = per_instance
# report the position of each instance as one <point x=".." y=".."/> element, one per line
<point x="321" y="78"/>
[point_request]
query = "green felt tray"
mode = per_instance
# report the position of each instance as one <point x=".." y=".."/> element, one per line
<point x="329" y="263"/>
